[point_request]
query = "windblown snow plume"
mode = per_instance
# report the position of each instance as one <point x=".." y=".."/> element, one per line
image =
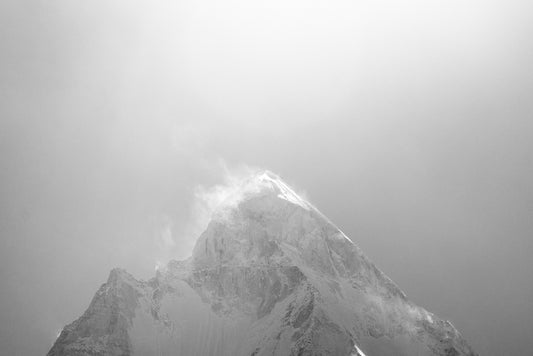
<point x="227" y="194"/>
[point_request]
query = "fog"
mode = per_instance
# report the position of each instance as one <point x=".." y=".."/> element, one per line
<point x="408" y="124"/>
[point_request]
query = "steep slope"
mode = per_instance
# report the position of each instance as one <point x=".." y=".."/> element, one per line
<point x="269" y="276"/>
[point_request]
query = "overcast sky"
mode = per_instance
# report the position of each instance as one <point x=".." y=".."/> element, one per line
<point x="408" y="123"/>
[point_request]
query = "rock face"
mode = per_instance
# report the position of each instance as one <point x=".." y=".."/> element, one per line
<point x="269" y="276"/>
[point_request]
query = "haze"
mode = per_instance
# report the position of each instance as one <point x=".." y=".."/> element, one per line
<point x="408" y="124"/>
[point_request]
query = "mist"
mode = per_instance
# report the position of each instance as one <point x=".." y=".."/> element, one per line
<point x="407" y="124"/>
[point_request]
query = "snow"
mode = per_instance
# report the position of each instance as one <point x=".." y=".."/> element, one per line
<point x="285" y="192"/>
<point x="270" y="276"/>
<point x="359" y="352"/>
<point x="259" y="184"/>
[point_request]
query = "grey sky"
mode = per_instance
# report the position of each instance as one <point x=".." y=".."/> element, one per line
<point x="409" y="124"/>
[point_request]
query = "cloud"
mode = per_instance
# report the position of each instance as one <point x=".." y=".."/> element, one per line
<point x="165" y="238"/>
<point x="209" y="199"/>
<point x="164" y="235"/>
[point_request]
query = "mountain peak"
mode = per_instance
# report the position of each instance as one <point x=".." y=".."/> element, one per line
<point x="283" y="190"/>
<point x="264" y="221"/>
<point x="270" y="275"/>
<point x="259" y="184"/>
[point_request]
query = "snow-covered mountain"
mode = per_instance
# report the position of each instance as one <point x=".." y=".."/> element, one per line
<point x="270" y="275"/>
